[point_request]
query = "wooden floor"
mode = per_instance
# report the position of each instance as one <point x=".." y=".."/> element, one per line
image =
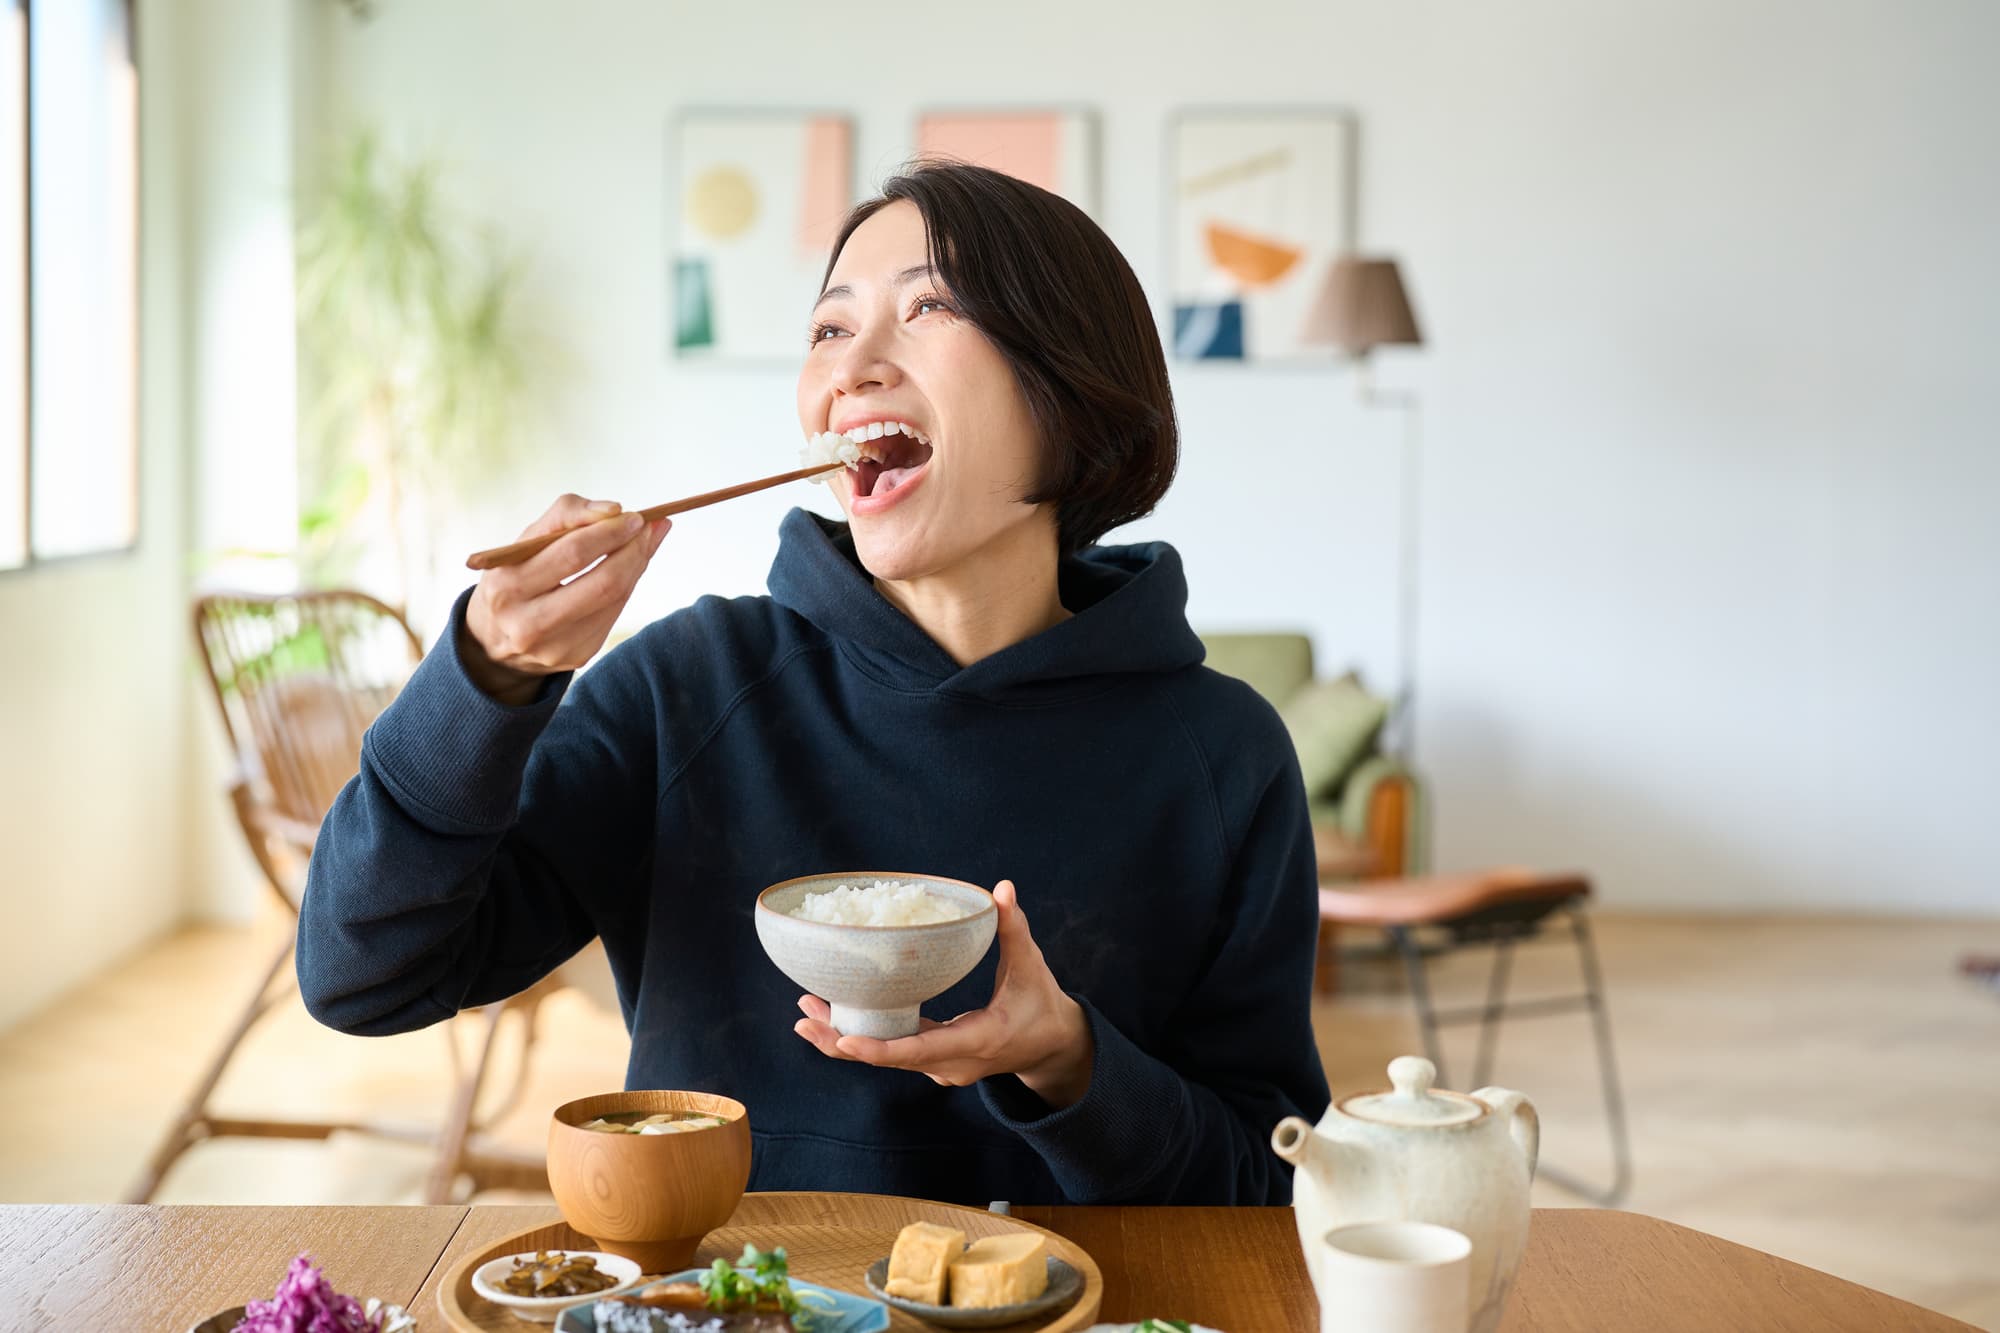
<point x="1825" y="1090"/>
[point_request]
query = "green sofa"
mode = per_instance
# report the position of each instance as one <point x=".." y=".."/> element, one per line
<point x="1368" y="808"/>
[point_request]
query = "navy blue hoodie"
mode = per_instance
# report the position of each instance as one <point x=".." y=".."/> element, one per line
<point x="1148" y="810"/>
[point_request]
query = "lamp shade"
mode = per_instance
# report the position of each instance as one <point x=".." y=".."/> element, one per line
<point x="1361" y="305"/>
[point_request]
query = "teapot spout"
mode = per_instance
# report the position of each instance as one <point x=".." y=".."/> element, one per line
<point x="1293" y="1140"/>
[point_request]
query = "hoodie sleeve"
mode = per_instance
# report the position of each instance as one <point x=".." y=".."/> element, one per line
<point x="448" y="872"/>
<point x="1191" y="1122"/>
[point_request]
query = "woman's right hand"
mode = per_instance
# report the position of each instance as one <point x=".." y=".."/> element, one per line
<point x="524" y="622"/>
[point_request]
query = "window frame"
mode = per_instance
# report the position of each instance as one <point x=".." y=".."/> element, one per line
<point x="30" y="561"/>
<point x="12" y="8"/>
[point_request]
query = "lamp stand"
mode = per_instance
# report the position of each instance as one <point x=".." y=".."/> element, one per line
<point x="1401" y="740"/>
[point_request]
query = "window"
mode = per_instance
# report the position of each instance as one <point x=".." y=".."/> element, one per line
<point x="13" y="286"/>
<point x="68" y="279"/>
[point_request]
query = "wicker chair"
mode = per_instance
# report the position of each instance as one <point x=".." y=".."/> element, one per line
<point x="297" y="679"/>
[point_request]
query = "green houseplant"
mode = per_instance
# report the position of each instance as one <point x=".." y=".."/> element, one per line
<point x="411" y="362"/>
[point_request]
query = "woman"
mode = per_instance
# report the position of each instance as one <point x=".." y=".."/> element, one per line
<point x="957" y="681"/>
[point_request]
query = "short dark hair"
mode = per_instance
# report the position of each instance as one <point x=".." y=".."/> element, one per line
<point x="1044" y="283"/>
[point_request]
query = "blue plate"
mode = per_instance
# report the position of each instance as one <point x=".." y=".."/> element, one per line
<point x="847" y="1313"/>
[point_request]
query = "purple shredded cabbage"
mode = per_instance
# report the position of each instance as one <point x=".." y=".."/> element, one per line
<point x="306" y="1302"/>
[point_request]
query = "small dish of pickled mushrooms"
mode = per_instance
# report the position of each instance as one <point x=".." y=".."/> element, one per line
<point x="539" y="1286"/>
<point x="554" y="1273"/>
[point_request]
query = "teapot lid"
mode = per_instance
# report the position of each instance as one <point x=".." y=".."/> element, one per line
<point x="1413" y="1102"/>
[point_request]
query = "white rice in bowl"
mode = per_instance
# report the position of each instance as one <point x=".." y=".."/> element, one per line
<point x="883" y="903"/>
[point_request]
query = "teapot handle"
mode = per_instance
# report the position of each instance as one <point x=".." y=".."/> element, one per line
<point x="1523" y="1123"/>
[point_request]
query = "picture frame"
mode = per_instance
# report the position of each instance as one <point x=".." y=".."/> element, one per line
<point x="1260" y="201"/>
<point x="755" y="198"/>
<point x="1056" y="147"/>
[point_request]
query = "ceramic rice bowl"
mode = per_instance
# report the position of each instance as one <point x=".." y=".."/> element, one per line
<point x="875" y="977"/>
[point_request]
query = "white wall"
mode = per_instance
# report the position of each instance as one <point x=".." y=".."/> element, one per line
<point x="93" y="669"/>
<point x="242" y="104"/>
<point x="1710" y="518"/>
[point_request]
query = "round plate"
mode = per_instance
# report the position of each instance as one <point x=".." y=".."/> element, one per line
<point x="223" y="1322"/>
<point x="1064" y="1284"/>
<point x="544" y="1309"/>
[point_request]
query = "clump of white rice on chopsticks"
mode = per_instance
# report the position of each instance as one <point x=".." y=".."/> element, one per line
<point x="828" y="447"/>
<point x="884" y="903"/>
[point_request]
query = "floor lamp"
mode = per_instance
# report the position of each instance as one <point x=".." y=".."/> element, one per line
<point x="1362" y="306"/>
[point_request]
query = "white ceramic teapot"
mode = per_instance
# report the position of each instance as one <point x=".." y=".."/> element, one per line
<point x="1418" y="1155"/>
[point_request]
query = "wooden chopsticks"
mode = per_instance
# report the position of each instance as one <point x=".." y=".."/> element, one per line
<point x="515" y="552"/>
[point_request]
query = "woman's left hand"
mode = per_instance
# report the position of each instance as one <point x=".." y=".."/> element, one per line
<point x="1030" y="1028"/>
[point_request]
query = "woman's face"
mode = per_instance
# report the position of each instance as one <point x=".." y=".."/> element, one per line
<point x="888" y="346"/>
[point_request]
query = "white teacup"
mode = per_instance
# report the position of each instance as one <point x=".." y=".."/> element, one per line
<point x="1395" y="1277"/>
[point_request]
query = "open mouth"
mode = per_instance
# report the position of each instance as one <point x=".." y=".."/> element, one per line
<point x="889" y="462"/>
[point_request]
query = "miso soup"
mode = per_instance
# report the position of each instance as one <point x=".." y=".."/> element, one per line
<point x="662" y="1122"/>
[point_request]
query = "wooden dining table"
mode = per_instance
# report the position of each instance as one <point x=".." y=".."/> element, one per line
<point x="166" y="1267"/>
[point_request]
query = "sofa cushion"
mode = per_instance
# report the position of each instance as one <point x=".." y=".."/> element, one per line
<point x="1333" y="724"/>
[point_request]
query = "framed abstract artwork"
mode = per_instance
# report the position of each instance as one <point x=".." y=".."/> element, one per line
<point x="1260" y="203"/>
<point x="1054" y="148"/>
<point x="758" y="197"/>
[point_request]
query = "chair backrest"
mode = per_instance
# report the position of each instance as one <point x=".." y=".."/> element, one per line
<point x="298" y="677"/>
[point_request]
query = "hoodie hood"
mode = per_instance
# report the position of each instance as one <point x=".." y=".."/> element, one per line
<point x="1128" y="609"/>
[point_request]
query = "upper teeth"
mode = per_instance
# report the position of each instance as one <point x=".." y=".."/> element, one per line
<point x="875" y="430"/>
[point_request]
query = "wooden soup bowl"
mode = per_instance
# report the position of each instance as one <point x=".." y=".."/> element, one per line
<point x="649" y="1198"/>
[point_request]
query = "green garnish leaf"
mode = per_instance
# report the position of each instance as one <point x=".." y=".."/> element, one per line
<point x="724" y="1287"/>
<point x="758" y="1277"/>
